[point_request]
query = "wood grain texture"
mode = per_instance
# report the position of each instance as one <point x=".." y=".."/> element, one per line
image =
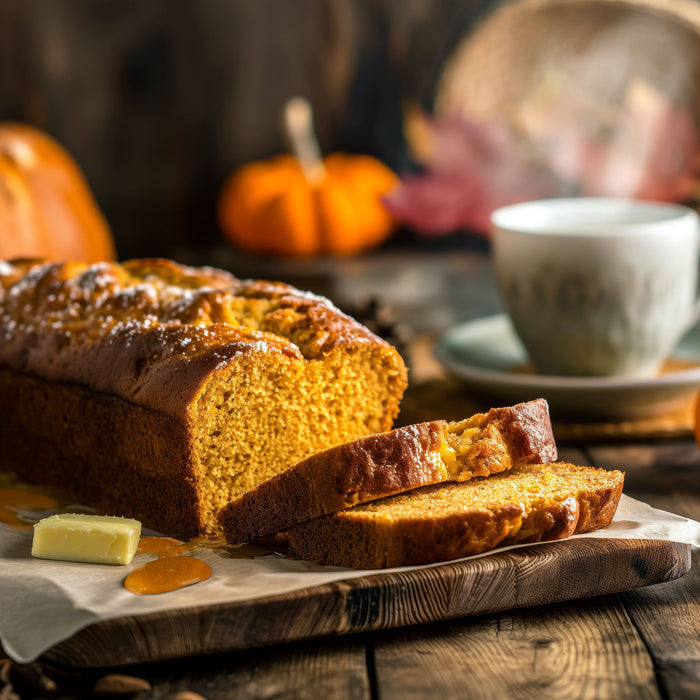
<point x="529" y="576"/>
<point x="667" y="617"/>
<point x="588" y="649"/>
<point x="320" y="669"/>
<point x="668" y="620"/>
<point x="317" y="669"/>
<point x="665" y="475"/>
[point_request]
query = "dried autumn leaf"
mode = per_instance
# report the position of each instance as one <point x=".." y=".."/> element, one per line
<point x="471" y="168"/>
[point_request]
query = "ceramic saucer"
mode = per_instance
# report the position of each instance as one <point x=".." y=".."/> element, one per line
<point x="487" y="355"/>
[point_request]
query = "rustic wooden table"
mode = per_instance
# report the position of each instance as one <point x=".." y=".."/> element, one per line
<point x="643" y="643"/>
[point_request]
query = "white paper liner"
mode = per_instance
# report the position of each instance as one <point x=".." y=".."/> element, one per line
<point x="44" y="602"/>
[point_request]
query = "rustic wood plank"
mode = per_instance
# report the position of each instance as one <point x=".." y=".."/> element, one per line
<point x="586" y="649"/>
<point x="331" y="668"/>
<point x="665" y="475"/>
<point x="667" y="617"/>
<point x="334" y="668"/>
<point x="522" y="577"/>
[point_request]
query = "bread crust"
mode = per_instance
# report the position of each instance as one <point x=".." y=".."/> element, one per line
<point x="148" y="476"/>
<point x="527" y="430"/>
<point x="149" y="331"/>
<point x="118" y="368"/>
<point x="381" y="465"/>
<point x="377" y="538"/>
<point x="337" y="478"/>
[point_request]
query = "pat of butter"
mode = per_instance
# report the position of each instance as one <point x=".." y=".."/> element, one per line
<point x="96" y="539"/>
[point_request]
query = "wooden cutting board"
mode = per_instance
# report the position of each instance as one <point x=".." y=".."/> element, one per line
<point x="528" y="576"/>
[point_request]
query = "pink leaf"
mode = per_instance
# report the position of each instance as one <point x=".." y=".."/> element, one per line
<point x="471" y="168"/>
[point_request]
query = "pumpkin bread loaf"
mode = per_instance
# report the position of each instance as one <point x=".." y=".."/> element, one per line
<point x="529" y="503"/>
<point x="162" y="392"/>
<point x="381" y="465"/>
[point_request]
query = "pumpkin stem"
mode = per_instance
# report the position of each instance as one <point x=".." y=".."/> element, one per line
<point x="298" y="123"/>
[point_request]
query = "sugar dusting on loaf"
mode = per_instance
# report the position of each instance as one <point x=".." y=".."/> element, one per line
<point x="161" y="392"/>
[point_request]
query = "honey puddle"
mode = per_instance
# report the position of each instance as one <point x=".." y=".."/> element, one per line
<point x="167" y="574"/>
<point x="14" y="501"/>
<point x="171" y="570"/>
<point x="162" y="546"/>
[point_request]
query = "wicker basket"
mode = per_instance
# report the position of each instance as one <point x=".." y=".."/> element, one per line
<point x="503" y="59"/>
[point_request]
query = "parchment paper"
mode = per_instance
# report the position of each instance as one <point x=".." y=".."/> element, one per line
<point x="43" y="602"/>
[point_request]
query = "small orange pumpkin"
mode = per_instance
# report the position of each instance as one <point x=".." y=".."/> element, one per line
<point x="46" y="207"/>
<point x="271" y="207"/>
<point x="302" y="205"/>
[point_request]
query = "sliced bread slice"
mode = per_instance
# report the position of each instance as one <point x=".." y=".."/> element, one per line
<point x="531" y="503"/>
<point x="388" y="463"/>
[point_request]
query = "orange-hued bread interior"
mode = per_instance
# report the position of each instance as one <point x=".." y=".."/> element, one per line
<point x="530" y="503"/>
<point x="162" y="392"/>
<point x="380" y="465"/>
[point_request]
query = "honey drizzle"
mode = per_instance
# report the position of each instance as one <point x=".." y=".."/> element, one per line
<point x="178" y="571"/>
<point x="167" y="574"/>
<point x="162" y="546"/>
<point x="13" y="503"/>
<point x="170" y="571"/>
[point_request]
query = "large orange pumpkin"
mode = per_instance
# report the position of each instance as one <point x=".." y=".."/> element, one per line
<point x="46" y="207"/>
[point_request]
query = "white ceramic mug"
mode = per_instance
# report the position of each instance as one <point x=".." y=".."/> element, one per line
<point x="597" y="287"/>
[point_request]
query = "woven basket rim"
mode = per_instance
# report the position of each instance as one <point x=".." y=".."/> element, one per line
<point x="685" y="13"/>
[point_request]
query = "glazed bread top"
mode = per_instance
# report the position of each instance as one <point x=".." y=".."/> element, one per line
<point x="152" y="331"/>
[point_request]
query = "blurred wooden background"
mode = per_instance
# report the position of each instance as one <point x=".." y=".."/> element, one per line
<point x="158" y="101"/>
